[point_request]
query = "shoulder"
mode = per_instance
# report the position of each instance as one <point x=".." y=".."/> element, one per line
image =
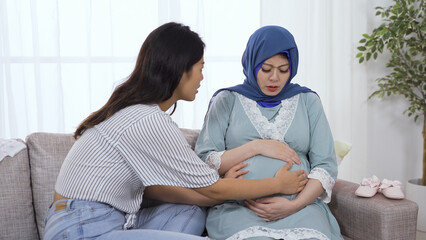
<point x="225" y="95"/>
<point x="150" y="116"/>
<point x="141" y="113"/>
<point x="310" y="98"/>
<point x="224" y="98"/>
<point x="312" y="103"/>
<point x="133" y="119"/>
<point x="150" y="128"/>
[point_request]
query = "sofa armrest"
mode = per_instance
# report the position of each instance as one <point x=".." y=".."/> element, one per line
<point x="372" y="218"/>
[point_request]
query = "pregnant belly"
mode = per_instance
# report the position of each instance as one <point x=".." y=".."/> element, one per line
<point x="264" y="167"/>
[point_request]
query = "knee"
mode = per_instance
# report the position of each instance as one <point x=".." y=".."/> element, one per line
<point x="195" y="219"/>
<point x="194" y="211"/>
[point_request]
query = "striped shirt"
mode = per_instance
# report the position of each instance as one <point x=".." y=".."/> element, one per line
<point x="137" y="147"/>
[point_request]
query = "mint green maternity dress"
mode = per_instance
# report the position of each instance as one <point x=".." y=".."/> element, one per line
<point x="299" y="121"/>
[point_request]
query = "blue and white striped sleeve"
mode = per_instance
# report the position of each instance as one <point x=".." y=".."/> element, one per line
<point x="160" y="155"/>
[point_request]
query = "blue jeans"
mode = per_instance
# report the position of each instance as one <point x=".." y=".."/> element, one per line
<point x="95" y="220"/>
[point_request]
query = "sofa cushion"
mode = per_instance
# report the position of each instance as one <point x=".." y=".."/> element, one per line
<point x="191" y="136"/>
<point x="17" y="219"/>
<point x="47" y="151"/>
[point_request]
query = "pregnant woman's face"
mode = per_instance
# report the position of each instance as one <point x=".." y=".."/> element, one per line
<point x="273" y="75"/>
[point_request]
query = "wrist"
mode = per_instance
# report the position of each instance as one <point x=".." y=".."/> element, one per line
<point x="278" y="186"/>
<point x="255" y="147"/>
<point x="298" y="203"/>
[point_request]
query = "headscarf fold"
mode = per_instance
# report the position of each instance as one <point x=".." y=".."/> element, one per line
<point x="264" y="43"/>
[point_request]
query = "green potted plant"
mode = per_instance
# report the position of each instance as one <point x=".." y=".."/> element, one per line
<point x="402" y="34"/>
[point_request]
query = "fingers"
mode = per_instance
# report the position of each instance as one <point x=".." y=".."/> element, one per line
<point x="262" y="205"/>
<point x="240" y="173"/>
<point x="291" y="160"/>
<point x="252" y="205"/>
<point x="290" y="154"/>
<point x="264" y="200"/>
<point x="238" y="166"/>
<point x="302" y="185"/>
<point x="236" y="172"/>
<point x="301" y="176"/>
<point x="260" y="212"/>
<point x="288" y="166"/>
<point x="296" y="159"/>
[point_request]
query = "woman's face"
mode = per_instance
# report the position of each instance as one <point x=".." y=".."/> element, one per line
<point x="190" y="82"/>
<point x="273" y="75"/>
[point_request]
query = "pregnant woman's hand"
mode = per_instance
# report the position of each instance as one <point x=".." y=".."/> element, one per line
<point x="272" y="208"/>
<point x="279" y="150"/>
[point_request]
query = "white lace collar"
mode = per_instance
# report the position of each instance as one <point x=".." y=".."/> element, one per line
<point x="270" y="130"/>
<point x="288" y="234"/>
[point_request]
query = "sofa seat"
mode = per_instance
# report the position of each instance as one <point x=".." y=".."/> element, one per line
<point x="27" y="184"/>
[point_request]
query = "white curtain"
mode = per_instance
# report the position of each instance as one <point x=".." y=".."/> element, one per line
<point x="327" y="33"/>
<point x="61" y="59"/>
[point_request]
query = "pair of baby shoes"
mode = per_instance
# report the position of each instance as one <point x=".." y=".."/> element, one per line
<point x="370" y="186"/>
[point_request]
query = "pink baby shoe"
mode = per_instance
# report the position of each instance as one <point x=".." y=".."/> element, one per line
<point x="391" y="189"/>
<point x="368" y="187"/>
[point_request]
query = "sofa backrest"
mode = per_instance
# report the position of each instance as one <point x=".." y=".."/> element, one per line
<point x="46" y="151"/>
<point x="17" y="219"/>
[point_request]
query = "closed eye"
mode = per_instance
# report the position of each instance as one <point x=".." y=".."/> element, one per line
<point x="269" y="70"/>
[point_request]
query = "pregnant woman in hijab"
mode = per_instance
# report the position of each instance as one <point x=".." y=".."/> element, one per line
<point x="268" y="107"/>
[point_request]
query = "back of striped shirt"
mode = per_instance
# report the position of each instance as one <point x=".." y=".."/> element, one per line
<point x="139" y="146"/>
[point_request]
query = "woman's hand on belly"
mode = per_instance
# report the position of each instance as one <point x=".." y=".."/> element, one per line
<point x="260" y="166"/>
<point x="279" y="150"/>
<point x="291" y="181"/>
<point x="272" y="208"/>
<point x="236" y="172"/>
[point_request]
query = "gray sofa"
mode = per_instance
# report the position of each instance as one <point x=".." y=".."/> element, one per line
<point x="27" y="183"/>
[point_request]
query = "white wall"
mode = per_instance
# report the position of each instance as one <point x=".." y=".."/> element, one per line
<point x="395" y="142"/>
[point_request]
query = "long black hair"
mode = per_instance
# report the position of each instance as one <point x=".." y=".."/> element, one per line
<point x="168" y="52"/>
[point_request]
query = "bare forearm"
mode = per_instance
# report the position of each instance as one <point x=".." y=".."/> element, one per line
<point x="179" y="195"/>
<point x="309" y="194"/>
<point x="267" y="147"/>
<point x="239" y="189"/>
<point x="284" y="181"/>
<point x="234" y="156"/>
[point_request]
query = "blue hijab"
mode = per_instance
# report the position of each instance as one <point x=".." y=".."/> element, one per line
<point x="263" y="44"/>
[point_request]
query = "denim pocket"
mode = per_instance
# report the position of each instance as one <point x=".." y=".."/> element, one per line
<point x="99" y="221"/>
<point x="63" y="224"/>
